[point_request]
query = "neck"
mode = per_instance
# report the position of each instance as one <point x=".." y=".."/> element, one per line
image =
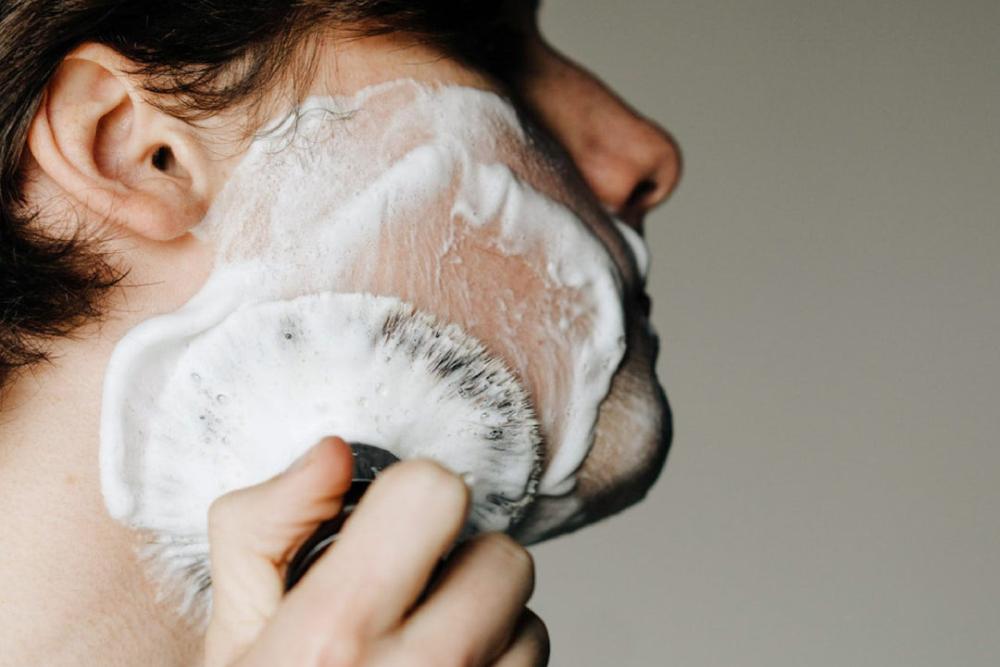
<point x="64" y="557"/>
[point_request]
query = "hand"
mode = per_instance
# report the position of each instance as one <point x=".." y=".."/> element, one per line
<point x="355" y="606"/>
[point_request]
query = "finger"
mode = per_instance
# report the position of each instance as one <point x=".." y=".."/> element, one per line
<point x="530" y="645"/>
<point x="470" y="615"/>
<point x="254" y="531"/>
<point x="367" y="581"/>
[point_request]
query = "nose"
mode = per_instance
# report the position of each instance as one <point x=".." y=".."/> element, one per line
<point x="630" y="163"/>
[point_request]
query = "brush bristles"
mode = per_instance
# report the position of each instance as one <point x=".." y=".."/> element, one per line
<point x="450" y="400"/>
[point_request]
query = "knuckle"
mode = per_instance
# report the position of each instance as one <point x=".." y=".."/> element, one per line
<point x="515" y="557"/>
<point x="453" y="485"/>
<point x="421" y="475"/>
<point x="449" y="655"/>
<point x="537" y="629"/>
<point x="340" y="652"/>
<point x="223" y="513"/>
<point x="533" y="636"/>
<point x="423" y="471"/>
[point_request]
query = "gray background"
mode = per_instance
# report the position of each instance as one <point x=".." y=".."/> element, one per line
<point x="826" y="285"/>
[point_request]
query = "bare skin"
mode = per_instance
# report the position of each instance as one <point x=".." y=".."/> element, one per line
<point x="72" y="590"/>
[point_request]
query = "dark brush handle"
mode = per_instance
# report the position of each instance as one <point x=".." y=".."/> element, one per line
<point x="369" y="461"/>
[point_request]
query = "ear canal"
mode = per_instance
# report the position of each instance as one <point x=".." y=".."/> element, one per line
<point x="163" y="159"/>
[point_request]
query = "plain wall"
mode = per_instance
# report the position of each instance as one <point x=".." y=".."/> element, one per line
<point x="827" y="291"/>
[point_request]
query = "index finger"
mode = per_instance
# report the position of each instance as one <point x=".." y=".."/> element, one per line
<point x="252" y="532"/>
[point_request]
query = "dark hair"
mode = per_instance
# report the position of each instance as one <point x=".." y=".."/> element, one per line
<point x="204" y="55"/>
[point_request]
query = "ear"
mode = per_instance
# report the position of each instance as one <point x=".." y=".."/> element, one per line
<point x="114" y="153"/>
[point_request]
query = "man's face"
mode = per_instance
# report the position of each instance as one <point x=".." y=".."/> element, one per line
<point x="621" y="165"/>
<point x="590" y="152"/>
<point x="503" y="232"/>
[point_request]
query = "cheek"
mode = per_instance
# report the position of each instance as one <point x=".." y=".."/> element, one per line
<point x="160" y="278"/>
<point x="508" y="302"/>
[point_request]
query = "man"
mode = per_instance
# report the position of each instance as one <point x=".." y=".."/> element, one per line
<point x="122" y="122"/>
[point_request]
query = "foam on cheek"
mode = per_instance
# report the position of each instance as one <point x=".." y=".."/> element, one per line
<point x="374" y="204"/>
<point x="353" y="193"/>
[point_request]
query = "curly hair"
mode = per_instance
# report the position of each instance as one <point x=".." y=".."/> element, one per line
<point x="202" y="55"/>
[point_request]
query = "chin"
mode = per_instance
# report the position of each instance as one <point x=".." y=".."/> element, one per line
<point x="632" y="437"/>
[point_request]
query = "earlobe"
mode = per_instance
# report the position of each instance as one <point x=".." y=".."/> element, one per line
<point x="116" y="155"/>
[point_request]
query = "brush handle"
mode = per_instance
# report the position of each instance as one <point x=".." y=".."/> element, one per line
<point x="369" y="461"/>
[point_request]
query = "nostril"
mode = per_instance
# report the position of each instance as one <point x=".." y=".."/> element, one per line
<point x="640" y="195"/>
<point x="658" y="182"/>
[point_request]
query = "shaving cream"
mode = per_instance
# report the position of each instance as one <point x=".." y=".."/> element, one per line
<point x="405" y="198"/>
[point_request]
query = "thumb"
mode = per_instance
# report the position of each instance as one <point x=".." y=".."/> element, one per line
<point x="254" y="532"/>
